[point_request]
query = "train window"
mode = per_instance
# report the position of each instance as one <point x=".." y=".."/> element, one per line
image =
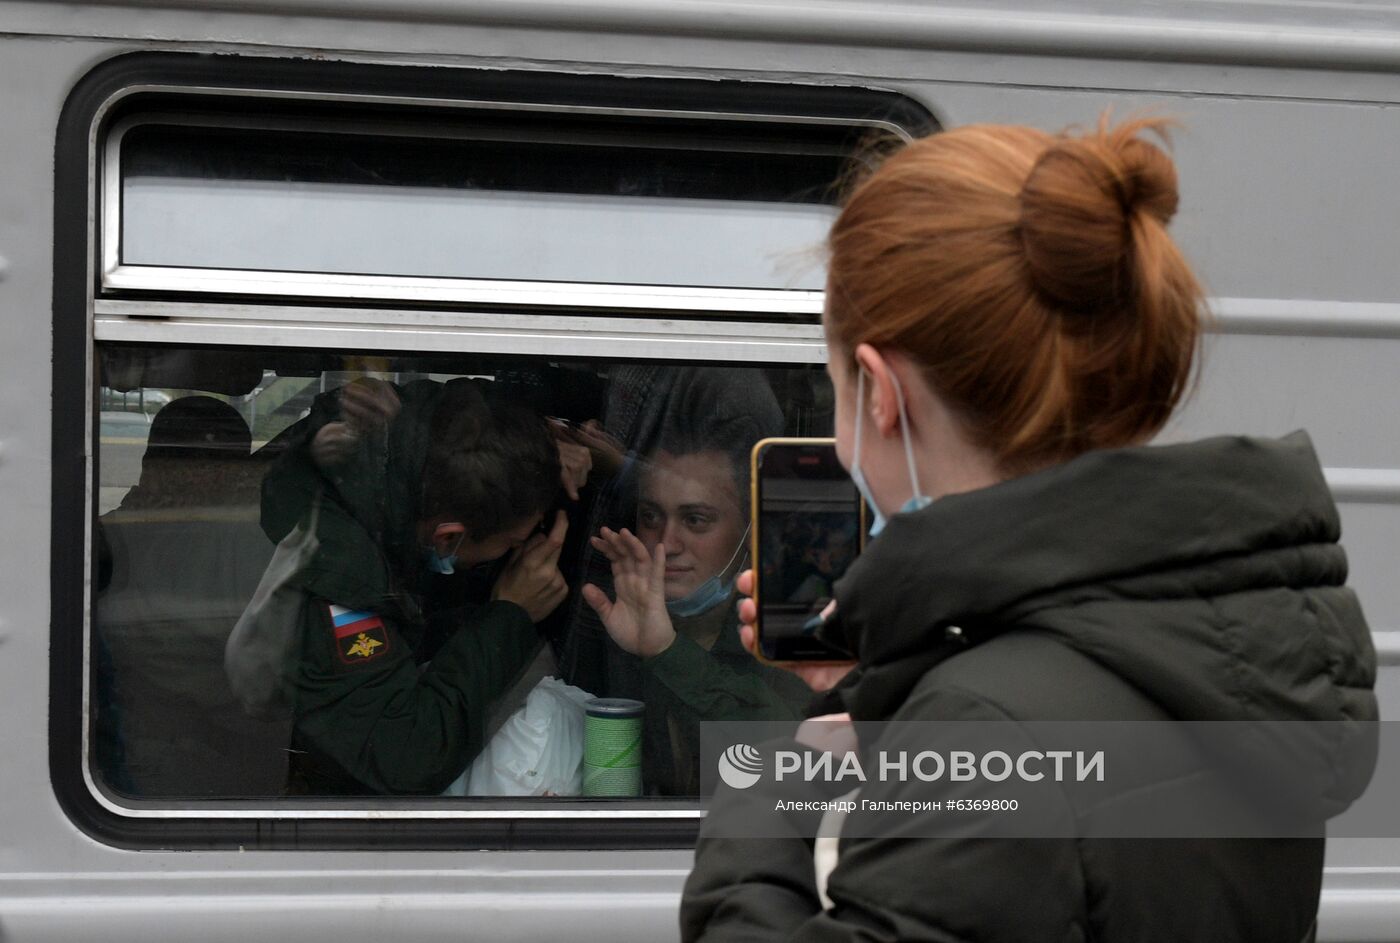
<point x="695" y="214"/>
<point x="339" y="351"/>
<point x="405" y="651"/>
<point x="601" y="202"/>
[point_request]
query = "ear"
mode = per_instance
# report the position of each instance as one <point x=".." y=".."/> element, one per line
<point x="447" y="538"/>
<point x="882" y="406"/>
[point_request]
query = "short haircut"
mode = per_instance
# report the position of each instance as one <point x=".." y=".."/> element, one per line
<point x="489" y="464"/>
<point x="733" y="439"/>
<point x="198" y="427"/>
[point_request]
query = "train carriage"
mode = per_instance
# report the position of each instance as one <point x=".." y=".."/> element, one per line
<point x="255" y="203"/>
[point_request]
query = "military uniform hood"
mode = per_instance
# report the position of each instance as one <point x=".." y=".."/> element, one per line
<point x="369" y="554"/>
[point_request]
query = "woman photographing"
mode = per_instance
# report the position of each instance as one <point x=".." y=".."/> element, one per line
<point x="1008" y="325"/>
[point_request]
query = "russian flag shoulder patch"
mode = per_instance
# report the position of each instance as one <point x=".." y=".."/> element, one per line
<point x="359" y="636"/>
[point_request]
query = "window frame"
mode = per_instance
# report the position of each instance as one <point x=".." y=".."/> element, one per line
<point x="122" y="278"/>
<point x="89" y="309"/>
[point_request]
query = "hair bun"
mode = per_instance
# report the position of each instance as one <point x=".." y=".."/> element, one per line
<point x="1083" y="207"/>
<point x="1149" y="180"/>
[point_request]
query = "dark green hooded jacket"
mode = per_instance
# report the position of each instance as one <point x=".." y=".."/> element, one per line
<point x="402" y="710"/>
<point x="687" y="685"/>
<point x="1197" y="582"/>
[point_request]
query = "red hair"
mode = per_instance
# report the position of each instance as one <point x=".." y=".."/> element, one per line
<point x="1031" y="279"/>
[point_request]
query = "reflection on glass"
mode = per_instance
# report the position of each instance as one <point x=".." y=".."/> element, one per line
<point x="349" y="575"/>
<point x="419" y="231"/>
<point x="614" y="208"/>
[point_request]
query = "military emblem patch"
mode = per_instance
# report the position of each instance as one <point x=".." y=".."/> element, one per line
<point x="359" y="636"/>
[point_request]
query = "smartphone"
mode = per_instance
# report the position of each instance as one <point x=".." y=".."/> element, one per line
<point x="809" y="523"/>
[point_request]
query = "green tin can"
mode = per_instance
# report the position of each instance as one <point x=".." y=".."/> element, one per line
<point x="612" y="747"/>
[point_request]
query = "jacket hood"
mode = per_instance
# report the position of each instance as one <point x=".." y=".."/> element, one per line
<point x="369" y="554"/>
<point x="1208" y="575"/>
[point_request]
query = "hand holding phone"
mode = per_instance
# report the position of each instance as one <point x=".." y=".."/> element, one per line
<point x="819" y="676"/>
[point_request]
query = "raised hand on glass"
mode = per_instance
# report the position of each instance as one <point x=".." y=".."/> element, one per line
<point x="636" y="618"/>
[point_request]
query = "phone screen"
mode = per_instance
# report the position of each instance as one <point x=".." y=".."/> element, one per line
<point x="810" y="528"/>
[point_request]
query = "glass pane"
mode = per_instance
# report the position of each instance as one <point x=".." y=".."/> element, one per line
<point x="401" y="640"/>
<point x="606" y="205"/>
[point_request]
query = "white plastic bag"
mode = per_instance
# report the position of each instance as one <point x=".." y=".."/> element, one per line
<point x="537" y="751"/>
<point x="263" y="648"/>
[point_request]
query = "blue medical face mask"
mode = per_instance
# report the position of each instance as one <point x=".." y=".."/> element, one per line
<point x="710" y="593"/>
<point x="918" y="499"/>
<point x="445" y="565"/>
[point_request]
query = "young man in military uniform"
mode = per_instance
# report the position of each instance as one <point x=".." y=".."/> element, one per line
<point x="408" y="634"/>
